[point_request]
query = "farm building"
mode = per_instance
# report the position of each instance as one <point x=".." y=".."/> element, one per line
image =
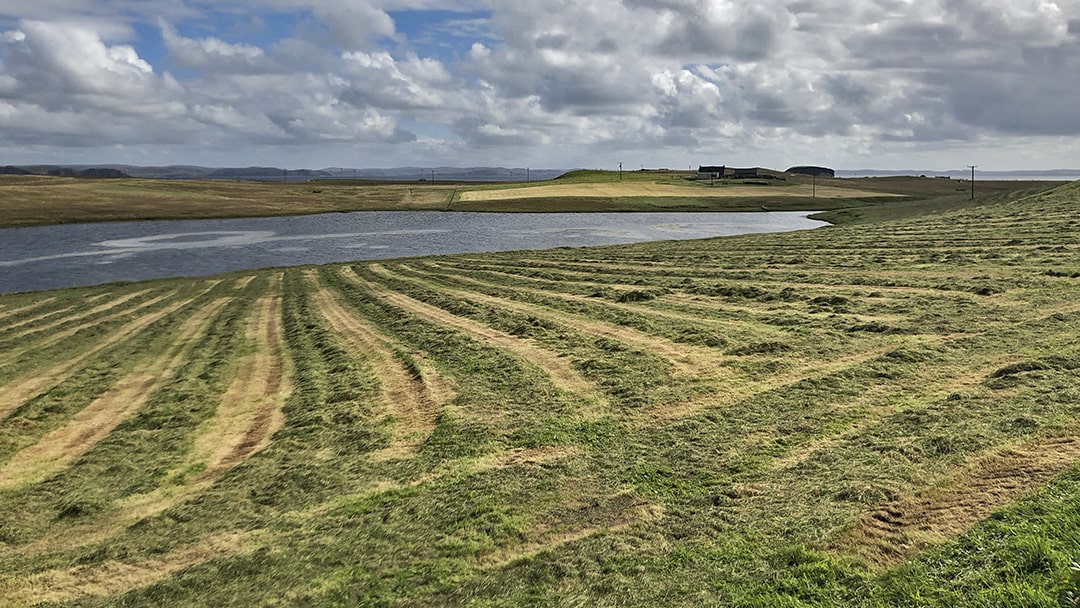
<point x="710" y="172"/>
<point x="742" y="173"/>
<point x="725" y="172"/>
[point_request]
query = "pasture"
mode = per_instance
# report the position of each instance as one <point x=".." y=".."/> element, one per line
<point x="880" y="413"/>
<point x="38" y="200"/>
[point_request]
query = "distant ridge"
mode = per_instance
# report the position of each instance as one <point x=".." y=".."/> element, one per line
<point x="464" y="174"/>
<point x="93" y="172"/>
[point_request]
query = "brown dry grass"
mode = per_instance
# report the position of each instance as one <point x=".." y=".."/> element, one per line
<point x="410" y="402"/>
<point x="110" y="578"/>
<point x="97" y="420"/>
<point x="250" y="409"/>
<point x="728" y="395"/>
<point x="17" y="392"/>
<point x="21" y="309"/>
<point x="935" y="381"/>
<point x="82" y="315"/>
<point x="560" y="370"/>
<point x="58" y="336"/>
<point x="688" y="360"/>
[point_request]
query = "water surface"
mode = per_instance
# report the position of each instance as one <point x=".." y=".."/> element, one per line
<point x="70" y="255"/>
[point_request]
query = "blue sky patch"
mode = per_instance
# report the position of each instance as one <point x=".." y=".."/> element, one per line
<point x="443" y="35"/>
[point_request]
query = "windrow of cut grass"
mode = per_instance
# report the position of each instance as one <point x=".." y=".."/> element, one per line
<point x="875" y="414"/>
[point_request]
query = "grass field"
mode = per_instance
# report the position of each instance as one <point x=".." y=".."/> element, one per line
<point x="882" y="413"/>
<point x="659" y="190"/>
<point x="38" y="200"/>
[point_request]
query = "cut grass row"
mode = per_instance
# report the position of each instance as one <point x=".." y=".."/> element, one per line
<point x="871" y="415"/>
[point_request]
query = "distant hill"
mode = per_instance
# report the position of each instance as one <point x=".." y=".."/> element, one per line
<point x="264" y="173"/>
<point x="92" y="172"/>
<point x="461" y="174"/>
<point x="455" y="174"/>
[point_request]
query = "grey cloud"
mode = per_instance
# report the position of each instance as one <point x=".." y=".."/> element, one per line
<point x="213" y="55"/>
<point x="748" y="40"/>
<point x="1043" y="106"/>
<point x="847" y="90"/>
<point x="480" y="132"/>
<point x="355" y="24"/>
<point x="552" y="41"/>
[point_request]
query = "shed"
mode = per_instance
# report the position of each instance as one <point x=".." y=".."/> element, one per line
<point x="710" y="172"/>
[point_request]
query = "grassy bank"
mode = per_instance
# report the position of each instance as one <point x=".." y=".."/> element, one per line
<point x="875" y="414"/>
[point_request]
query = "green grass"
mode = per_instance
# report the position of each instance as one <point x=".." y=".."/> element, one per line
<point x="875" y="413"/>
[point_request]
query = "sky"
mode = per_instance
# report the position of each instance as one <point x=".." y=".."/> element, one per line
<point x="848" y="84"/>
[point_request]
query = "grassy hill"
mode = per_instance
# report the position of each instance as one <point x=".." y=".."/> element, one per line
<point x="880" y="413"/>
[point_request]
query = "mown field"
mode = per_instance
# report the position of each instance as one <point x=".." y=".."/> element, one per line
<point x="874" y="414"/>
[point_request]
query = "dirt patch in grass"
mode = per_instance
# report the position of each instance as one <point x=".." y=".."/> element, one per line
<point x="560" y="370"/>
<point x="115" y="577"/>
<point x="97" y="420"/>
<point x="902" y="528"/>
<point x="407" y="399"/>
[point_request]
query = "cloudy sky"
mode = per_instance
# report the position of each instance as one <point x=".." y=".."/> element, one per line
<point x="929" y="84"/>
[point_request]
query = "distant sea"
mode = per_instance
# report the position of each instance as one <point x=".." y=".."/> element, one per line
<point x="1054" y="175"/>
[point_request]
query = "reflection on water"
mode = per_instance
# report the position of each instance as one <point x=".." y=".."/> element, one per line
<point x="86" y="254"/>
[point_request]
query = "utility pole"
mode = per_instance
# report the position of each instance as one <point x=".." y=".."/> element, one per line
<point x="815" y="186"/>
<point x="620" y="171"/>
<point x="527" y="178"/>
<point x="972" y="167"/>
<point x="433" y="176"/>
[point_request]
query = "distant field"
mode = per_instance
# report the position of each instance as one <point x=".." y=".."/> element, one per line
<point x="30" y="201"/>
<point x="34" y="200"/>
<point x="628" y="189"/>
<point x="875" y="414"/>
